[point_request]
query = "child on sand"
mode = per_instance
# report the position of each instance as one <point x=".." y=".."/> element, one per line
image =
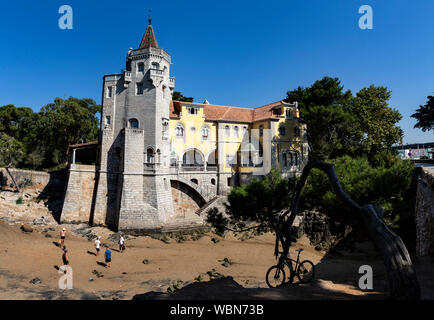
<point x="62" y="238"/>
<point x="121" y="243"/>
<point x="65" y="257"/>
<point x="108" y="257"/>
<point x="97" y="245"/>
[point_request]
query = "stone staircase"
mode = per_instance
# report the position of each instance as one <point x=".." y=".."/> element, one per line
<point x="207" y="205"/>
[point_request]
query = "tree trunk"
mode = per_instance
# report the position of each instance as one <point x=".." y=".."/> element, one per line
<point x="402" y="278"/>
<point x="13" y="179"/>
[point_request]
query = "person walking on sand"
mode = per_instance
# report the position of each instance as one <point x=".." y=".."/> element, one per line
<point x="108" y="257"/>
<point x="62" y="238"/>
<point x="121" y="243"/>
<point x="65" y="257"/>
<point x="97" y="245"/>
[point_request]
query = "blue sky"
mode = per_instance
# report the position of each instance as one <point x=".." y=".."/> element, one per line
<point x="238" y="53"/>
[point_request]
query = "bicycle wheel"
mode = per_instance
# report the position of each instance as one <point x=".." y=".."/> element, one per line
<point x="305" y="271"/>
<point x="275" y="276"/>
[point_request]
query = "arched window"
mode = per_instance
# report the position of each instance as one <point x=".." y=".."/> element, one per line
<point x="205" y="132"/>
<point x="179" y="130"/>
<point x="150" y="155"/>
<point x="195" y="181"/>
<point x="244" y="131"/>
<point x="173" y="159"/>
<point x="133" y="123"/>
<point x="192" y="158"/>
<point x="213" y="181"/>
<point x="227" y="131"/>
<point x="261" y="130"/>
<point x="236" y="131"/>
<point x="155" y="65"/>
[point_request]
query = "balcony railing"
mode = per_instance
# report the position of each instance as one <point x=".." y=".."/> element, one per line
<point x="156" y="72"/>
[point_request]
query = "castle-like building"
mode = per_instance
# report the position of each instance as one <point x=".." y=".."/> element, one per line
<point x="158" y="161"/>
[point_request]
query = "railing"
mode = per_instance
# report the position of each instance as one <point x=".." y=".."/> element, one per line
<point x="192" y="168"/>
<point x="128" y="76"/>
<point x="156" y="72"/>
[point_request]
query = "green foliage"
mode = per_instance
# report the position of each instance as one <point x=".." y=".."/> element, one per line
<point x="11" y="151"/>
<point x="261" y="200"/>
<point x="43" y="138"/>
<point x="199" y="278"/>
<point x="324" y="108"/>
<point x="177" y="96"/>
<point x="375" y="120"/>
<point x="19" y="200"/>
<point x="213" y="274"/>
<point x="425" y="116"/>
<point x="385" y="186"/>
<point x="175" y="286"/>
<point x="340" y="124"/>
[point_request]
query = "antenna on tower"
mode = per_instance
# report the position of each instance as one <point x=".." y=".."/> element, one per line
<point x="149" y="17"/>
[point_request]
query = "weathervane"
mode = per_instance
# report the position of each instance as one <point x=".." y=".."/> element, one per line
<point x="149" y="18"/>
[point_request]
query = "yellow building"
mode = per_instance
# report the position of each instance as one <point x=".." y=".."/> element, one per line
<point x="240" y="142"/>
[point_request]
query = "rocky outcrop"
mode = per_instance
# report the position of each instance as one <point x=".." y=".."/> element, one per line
<point x="424" y="213"/>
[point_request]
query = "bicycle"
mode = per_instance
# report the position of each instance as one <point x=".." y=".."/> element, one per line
<point x="305" y="271"/>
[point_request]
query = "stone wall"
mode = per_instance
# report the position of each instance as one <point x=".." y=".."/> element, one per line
<point x="77" y="204"/>
<point x="424" y="213"/>
<point x="52" y="180"/>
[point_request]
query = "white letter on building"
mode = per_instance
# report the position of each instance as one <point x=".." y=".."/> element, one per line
<point x="65" y="21"/>
<point x="367" y="20"/>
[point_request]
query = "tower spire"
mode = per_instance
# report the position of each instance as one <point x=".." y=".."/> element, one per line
<point x="149" y="40"/>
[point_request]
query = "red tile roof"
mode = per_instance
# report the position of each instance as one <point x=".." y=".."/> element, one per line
<point x="149" y="39"/>
<point x="233" y="114"/>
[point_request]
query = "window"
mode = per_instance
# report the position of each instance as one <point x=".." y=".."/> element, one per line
<point x="229" y="182"/>
<point x="213" y="181"/>
<point x="165" y="129"/>
<point x="236" y="131"/>
<point x="261" y="130"/>
<point x="230" y="160"/>
<point x="139" y="90"/>
<point x="282" y="131"/>
<point x="288" y="114"/>
<point x="195" y="181"/>
<point x="244" y="131"/>
<point x="150" y="155"/>
<point x="141" y="67"/>
<point x="155" y="65"/>
<point x="205" y="133"/>
<point x="227" y="131"/>
<point x="192" y="110"/>
<point x="109" y="92"/>
<point x="296" y="132"/>
<point x="108" y="120"/>
<point x="179" y="130"/>
<point x="133" y="123"/>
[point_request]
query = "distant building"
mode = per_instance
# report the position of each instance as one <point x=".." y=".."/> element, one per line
<point x="160" y="161"/>
<point x="416" y="151"/>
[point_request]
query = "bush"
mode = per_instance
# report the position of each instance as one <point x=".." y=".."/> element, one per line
<point x="19" y="200"/>
<point x="383" y="185"/>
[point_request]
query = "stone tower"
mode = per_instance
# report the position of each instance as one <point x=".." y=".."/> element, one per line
<point x="133" y="180"/>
